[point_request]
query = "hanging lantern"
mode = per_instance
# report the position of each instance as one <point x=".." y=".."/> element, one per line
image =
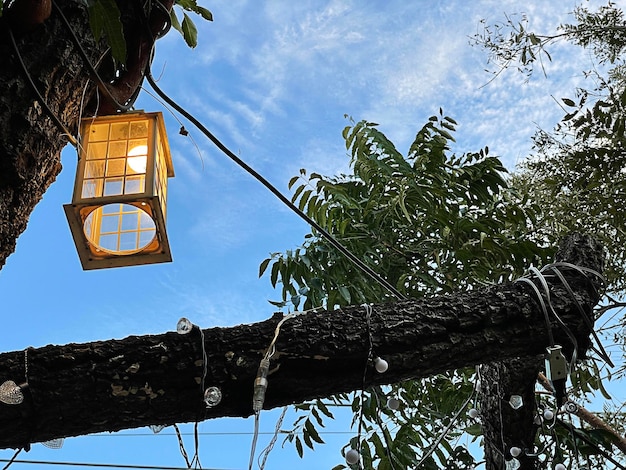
<point x="117" y="214"/>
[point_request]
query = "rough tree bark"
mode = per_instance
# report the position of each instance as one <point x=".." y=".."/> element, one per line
<point x="138" y="381"/>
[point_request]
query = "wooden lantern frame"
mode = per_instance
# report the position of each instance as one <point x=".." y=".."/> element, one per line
<point x="118" y="210"/>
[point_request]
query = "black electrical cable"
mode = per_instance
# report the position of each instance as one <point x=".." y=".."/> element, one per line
<point x="334" y="242"/>
<point x="40" y="97"/>
<point x="99" y="465"/>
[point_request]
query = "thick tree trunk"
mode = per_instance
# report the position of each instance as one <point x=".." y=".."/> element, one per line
<point x="107" y="386"/>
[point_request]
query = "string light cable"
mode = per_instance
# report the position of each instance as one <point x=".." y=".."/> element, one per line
<point x="260" y="382"/>
<point x="66" y="132"/>
<point x="98" y="465"/>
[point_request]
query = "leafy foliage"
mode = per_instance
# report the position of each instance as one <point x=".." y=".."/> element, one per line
<point x="431" y="222"/>
<point x="187" y="28"/>
<point x="511" y="43"/>
<point x="105" y="22"/>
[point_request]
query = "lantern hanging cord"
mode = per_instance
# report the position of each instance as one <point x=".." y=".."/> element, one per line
<point x="40" y="97"/>
<point x="325" y="234"/>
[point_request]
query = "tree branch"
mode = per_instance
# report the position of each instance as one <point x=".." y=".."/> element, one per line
<point x="138" y="381"/>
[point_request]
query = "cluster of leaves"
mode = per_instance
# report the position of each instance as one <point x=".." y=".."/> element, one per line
<point x="430" y="223"/>
<point x="105" y="22"/>
<point x="511" y="42"/>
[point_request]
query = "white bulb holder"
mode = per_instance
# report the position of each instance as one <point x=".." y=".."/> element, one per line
<point x="516" y="402"/>
<point x="380" y="365"/>
<point x="11" y="393"/>
<point x="184" y="326"/>
<point x="212" y="397"/>
<point x="352" y="456"/>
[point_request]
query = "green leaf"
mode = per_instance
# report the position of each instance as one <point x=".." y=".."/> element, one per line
<point x="299" y="448"/>
<point x="190" y="33"/>
<point x="263" y="266"/>
<point x="175" y="23"/>
<point x="310" y="430"/>
<point x="104" y="19"/>
<point x="568" y="102"/>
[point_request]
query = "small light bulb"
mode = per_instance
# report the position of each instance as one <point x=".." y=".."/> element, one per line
<point x="548" y="414"/>
<point x="559" y="466"/>
<point x="381" y="365"/>
<point x="183" y="326"/>
<point x="212" y="397"/>
<point x="393" y="404"/>
<point x="515" y="451"/>
<point x="473" y="413"/>
<point x="352" y="456"/>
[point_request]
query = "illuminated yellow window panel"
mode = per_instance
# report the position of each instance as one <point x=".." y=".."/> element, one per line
<point x="119" y="131"/>
<point x="98" y="132"/>
<point x="117" y="149"/>
<point x="97" y="151"/>
<point x="138" y="129"/>
<point x="136" y="165"/>
<point x="116" y="167"/>
<point x="94" y="169"/>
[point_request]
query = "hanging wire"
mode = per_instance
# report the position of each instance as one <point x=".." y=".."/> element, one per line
<point x="270" y="446"/>
<point x="261" y="179"/>
<point x="12" y="459"/>
<point x="98" y="465"/>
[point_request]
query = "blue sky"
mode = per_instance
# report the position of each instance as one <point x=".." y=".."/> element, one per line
<point x="273" y="80"/>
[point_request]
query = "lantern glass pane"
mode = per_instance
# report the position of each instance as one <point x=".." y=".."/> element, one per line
<point x="98" y="132"/>
<point x="92" y="188"/>
<point x="96" y="150"/>
<point x="119" y="131"/>
<point x="116" y="167"/>
<point x="138" y="129"/>
<point x="94" y="169"/>
<point x="134" y="184"/>
<point x="119" y="228"/>
<point x="109" y="223"/>
<point x="113" y="186"/>
<point x="117" y="149"/>
<point x="136" y="165"/>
